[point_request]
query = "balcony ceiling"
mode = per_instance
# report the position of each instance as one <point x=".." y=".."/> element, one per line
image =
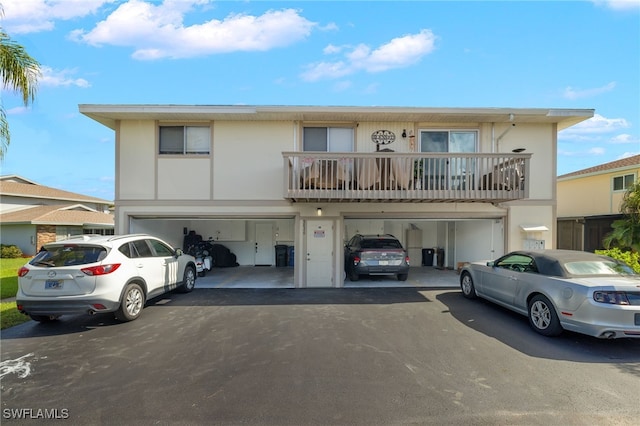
<point x="109" y="114"/>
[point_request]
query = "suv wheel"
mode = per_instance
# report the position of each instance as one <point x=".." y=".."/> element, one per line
<point x="189" y="280"/>
<point x="131" y="304"/>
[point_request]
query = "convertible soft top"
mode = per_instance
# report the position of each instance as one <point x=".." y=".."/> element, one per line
<point x="549" y="262"/>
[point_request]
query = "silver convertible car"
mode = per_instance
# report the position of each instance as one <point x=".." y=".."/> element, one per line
<point x="561" y="290"/>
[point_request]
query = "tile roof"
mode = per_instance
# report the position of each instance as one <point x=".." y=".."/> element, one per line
<point x="12" y="185"/>
<point x="57" y="215"/>
<point x="613" y="165"/>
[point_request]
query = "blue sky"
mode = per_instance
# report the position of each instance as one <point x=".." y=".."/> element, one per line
<point x="530" y="54"/>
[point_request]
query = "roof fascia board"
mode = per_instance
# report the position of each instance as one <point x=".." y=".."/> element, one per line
<point x="599" y="172"/>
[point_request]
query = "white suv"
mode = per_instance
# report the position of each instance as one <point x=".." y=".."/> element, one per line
<point x="95" y="274"/>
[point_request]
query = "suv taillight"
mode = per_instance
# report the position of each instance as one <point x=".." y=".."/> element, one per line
<point x="356" y="261"/>
<point x="23" y="271"/>
<point x="101" y="269"/>
<point x="406" y="259"/>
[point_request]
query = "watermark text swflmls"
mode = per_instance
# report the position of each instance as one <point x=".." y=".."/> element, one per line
<point x="35" y="413"/>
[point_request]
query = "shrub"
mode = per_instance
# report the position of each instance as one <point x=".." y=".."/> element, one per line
<point x="10" y="251"/>
<point x="629" y="257"/>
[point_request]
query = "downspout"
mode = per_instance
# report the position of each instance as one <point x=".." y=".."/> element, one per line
<point x="493" y="138"/>
<point x="505" y="132"/>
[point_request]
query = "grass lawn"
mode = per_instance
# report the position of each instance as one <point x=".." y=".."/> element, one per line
<point x="9" y="315"/>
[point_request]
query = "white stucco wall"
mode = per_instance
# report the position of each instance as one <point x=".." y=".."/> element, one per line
<point x="247" y="159"/>
<point x="136" y="160"/>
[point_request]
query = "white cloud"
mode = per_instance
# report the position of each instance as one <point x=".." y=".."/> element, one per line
<point x="57" y="78"/>
<point x="400" y="52"/>
<point x="29" y="16"/>
<point x="331" y="49"/>
<point x="595" y="151"/>
<point x="619" y="5"/>
<point x="593" y="128"/>
<point x="157" y="31"/>
<point x="625" y="138"/>
<point x="18" y="110"/>
<point x="571" y="93"/>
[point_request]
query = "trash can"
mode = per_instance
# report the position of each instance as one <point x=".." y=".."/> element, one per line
<point x="440" y="258"/>
<point x="281" y="255"/>
<point x="290" y="255"/>
<point x="427" y="257"/>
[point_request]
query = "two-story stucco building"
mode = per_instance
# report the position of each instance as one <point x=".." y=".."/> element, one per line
<point x="589" y="201"/>
<point x="470" y="183"/>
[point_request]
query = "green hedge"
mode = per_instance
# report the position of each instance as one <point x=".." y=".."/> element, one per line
<point x="10" y="251"/>
<point x="629" y="257"/>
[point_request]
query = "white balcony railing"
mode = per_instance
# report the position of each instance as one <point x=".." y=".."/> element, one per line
<point x="405" y="177"/>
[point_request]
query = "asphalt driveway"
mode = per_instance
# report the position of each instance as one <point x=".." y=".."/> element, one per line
<point x="370" y="356"/>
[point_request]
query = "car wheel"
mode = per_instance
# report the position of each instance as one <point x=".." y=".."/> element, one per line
<point x="543" y="317"/>
<point x="44" y="318"/>
<point x="131" y="304"/>
<point x="353" y="275"/>
<point x="467" y="287"/>
<point x="189" y="280"/>
<point x="403" y="277"/>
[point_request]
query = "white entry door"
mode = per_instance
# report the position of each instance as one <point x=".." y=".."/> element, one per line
<point x="264" y="244"/>
<point x="319" y="256"/>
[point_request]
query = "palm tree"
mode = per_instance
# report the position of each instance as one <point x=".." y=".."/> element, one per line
<point x="626" y="231"/>
<point x="19" y="73"/>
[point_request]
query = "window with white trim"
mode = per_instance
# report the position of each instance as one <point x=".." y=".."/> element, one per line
<point x="185" y="140"/>
<point x="448" y="140"/>
<point x="621" y="183"/>
<point x="327" y="139"/>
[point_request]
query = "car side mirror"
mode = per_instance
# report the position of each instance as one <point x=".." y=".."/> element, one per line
<point x="491" y="264"/>
<point x="179" y="252"/>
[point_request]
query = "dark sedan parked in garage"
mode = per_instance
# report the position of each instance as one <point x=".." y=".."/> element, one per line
<point x="561" y="290"/>
<point x="375" y="255"/>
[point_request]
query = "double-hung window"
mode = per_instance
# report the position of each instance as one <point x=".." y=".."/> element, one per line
<point x="326" y="172"/>
<point x="327" y="139"/>
<point x="621" y="183"/>
<point x="185" y="140"/>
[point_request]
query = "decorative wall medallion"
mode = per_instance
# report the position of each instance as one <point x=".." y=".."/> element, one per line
<point x="383" y="137"/>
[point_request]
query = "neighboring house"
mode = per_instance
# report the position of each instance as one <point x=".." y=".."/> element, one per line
<point x="465" y="183"/>
<point x="32" y="214"/>
<point x="589" y="201"/>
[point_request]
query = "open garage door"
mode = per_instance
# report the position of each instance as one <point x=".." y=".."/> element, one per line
<point x="251" y="241"/>
<point x="447" y="242"/>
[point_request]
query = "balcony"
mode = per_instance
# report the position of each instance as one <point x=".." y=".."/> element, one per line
<point x="405" y="177"/>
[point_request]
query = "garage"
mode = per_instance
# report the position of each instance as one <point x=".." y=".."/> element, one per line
<point x="264" y="248"/>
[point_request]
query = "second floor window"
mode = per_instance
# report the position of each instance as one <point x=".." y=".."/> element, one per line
<point x="328" y="139"/>
<point x="185" y="140"/>
<point x="621" y="183"/>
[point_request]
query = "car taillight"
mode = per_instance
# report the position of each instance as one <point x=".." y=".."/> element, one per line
<point x="611" y="297"/>
<point x="406" y="259"/>
<point x="101" y="269"/>
<point x="356" y="261"/>
<point x="23" y="271"/>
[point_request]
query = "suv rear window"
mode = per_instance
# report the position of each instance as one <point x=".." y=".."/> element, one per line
<point x="383" y="243"/>
<point x="68" y="255"/>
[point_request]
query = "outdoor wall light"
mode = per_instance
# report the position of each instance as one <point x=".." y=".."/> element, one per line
<point x="319" y="211"/>
<point x="518" y="150"/>
<point x="404" y="133"/>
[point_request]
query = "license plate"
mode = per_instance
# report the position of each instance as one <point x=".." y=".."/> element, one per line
<point x="383" y="262"/>
<point x="53" y="284"/>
